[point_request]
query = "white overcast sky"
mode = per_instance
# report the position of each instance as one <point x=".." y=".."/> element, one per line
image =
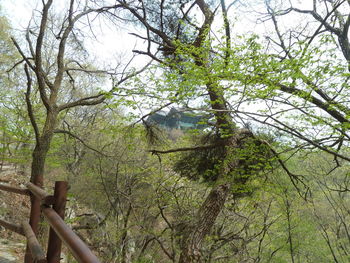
<point x="111" y="43"/>
<point x="20" y="12"/>
<point x="114" y="42"/>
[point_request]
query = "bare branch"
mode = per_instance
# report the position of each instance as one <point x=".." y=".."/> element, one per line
<point x="185" y="149"/>
<point x="25" y="58"/>
<point x="152" y="112"/>
<point x="81" y="140"/>
<point x="29" y="104"/>
<point x="38" y="56"/>
<point x="87" y="101"/>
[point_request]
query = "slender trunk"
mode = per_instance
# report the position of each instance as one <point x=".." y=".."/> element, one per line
<point x="290" y="240"/>
<point x="206" y="217"/>
<point x="3" y="154"/>
<point x="124" y="239"/>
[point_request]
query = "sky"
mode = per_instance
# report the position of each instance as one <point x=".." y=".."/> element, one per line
<point x="111" y="43"/>
<point x="110" y="40"/>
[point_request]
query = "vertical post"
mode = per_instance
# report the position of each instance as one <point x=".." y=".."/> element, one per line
<point x="34" y="222"/>
<point x="55" y="243"/>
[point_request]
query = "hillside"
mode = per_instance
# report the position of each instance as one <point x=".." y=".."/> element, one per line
<point x="13" y="208"/>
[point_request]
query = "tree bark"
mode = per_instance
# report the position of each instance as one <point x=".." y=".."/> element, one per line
<point x="38" y="164"/>
<point x="37" y="170"/>
<point x="226" y="128"/>
<point x="206" y="217"/>
<point x="215" y="201"/>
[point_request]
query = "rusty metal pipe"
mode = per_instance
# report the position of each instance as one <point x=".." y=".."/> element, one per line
<point x="13" y="189"/>
<point x="79" y="249"/>
<point x="37" y="253"/>
<point x="13" y="227"/>
<point x="55" y="243"/>
<point x="40" y="194"/>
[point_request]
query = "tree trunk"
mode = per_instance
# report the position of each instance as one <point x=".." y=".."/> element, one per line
<point x="38" y="164"/>
<point x="215" y="201"/>
<point x="206" y="217"/>
<point x="37" y="171"/>
<point x="125" y="257"/>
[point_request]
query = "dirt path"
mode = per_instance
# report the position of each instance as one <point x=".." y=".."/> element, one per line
<point x="9" y="251"/>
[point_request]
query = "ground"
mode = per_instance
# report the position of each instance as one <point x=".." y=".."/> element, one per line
<point x="13" y="208"/>
<point x="11" y="251"/>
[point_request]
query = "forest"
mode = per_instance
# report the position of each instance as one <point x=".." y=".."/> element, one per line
<point x="264" y="177"/>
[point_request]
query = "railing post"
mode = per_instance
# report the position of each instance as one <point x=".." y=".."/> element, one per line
<point x="34" y="222"/>
<point x="37" y="252"/>
<point x="55" y="243"/>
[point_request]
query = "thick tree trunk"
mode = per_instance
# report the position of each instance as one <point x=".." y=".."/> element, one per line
<point x="37" y="171"/>
<point x="205" y="220"/>
<point x="38" y="164"/>
<point x="215" y="201"/>
<point x="37" y="178"/>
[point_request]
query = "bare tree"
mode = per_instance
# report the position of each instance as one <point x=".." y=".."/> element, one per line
<point x="51" y="65"/>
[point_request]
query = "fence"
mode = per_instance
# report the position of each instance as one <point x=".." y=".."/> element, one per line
<point x="52" y="207"/>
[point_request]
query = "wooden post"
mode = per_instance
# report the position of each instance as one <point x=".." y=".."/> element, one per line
<point x="55" y="243"/>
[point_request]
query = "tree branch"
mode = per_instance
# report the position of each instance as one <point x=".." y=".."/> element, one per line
<point x="29" y="105"/>
<point x="227" y="32"/>
<point x="82" y="141"/>
<point x="184" y="149"/>
<point x="38" y="56"/>
<point x="88" y="101"/>
<point x="208" y="20"/>
<point x="322" y="105"/>
<point x="25" y="58"/>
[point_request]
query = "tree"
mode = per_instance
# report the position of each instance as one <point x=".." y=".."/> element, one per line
<point x="54" y="61"/>
<point x="296" y="78"/>
<point x="296" y="74"/>
<point x="302" y="75"/>
<point x="186" y="53"/>
<point x="13" y="118"/>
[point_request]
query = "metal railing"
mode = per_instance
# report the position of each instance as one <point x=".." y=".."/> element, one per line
<point x="52" y="207"/>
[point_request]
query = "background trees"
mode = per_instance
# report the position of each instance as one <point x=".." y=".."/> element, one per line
<point x="276" y="150"/>
<point x="297" y="79"/>
<point x="14" y="121"/>
<point x="54" y="66"/>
